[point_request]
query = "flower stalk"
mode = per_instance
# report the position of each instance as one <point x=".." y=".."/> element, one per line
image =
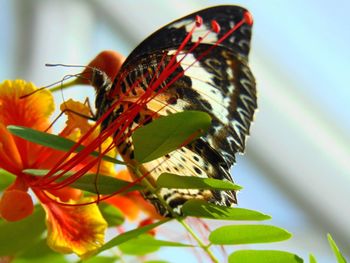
<point x="178" y="218"/>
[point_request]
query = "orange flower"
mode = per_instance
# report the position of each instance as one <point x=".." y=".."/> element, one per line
<point x="132" y="203"/>
<point x="74" y="227"/>
<point x="83" y="227"/>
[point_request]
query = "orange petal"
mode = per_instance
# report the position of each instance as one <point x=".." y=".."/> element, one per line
<point x="15" y="205"/>
<point x="137" y="198"/>
<point x="74" y="229"/>
<point x="67" y="193"/>
<point x="144" y="205"/>
<point x="132" y="202"/>
<point x="129" y="208"/>
<point x="124" y="175"/>
<point x="10" y="158"/>
<point x="146" y="222"/>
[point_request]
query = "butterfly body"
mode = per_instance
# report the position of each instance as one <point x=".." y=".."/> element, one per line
<point x="186" y="65"/>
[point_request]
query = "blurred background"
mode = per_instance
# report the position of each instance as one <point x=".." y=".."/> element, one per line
<point x="297" y="164"/>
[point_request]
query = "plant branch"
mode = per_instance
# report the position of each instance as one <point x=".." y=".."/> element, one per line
<point x="180" y="219"/>
<point x="198" y="240"/>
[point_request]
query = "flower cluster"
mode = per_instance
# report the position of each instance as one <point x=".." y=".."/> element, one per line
<point x="74" y="221"/>
<point x="79" y="229"/>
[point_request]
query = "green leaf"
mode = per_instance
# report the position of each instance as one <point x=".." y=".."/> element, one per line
<point x="15" y="236"/>
<point x="131" y="249"/>
<point x="168" y="180"/>
<point x="148" y="240"/>
<point x="105" y="184"/>
<point x="168" y="133"/>
<point x="43" y="172"/>
<point x="156" y="261"/>
<point x="52" y="141"/>
<point x="247" y="234"/>
<point x="6" y="179"/>
<point x="111" y="214"/>
<point x="101" y="260"/>
<point x="263" y="256"/>
<point x="200" y="208"/>
<point x="145" y="244"/>
<point x="52" y="258"/>
<point x="336" y="251"/>
<point x="312" y="259"/>
<point x="38" y="252"/>
<point x="130" y="234"/>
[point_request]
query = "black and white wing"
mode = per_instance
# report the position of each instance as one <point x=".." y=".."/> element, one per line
<point x="199" y="62"/>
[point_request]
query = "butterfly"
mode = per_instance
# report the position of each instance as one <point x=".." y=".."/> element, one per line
<point x="198" y="62"/>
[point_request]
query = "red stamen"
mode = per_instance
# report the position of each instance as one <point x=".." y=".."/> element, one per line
<point x="79" y="157"/>
<point x="39" y="193"/>
<point x="226" y="35"/>
<point x="62" y="167"/>
<point x="215" y="26"/>
<point x="199" y="21"/>
<point x="248" y="18"/>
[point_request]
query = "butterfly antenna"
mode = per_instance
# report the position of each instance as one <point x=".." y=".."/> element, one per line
<point x="65" y="65"/>
<point x="31" y="93"/>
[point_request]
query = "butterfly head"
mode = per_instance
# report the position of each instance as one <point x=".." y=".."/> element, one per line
<point x="107" y="61"/>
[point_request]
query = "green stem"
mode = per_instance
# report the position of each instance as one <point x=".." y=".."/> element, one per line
<point x="199" y="241"/>
<point x="176" y="216"/>
<point x="155" y="192"/>
<point x="63" y="86"/>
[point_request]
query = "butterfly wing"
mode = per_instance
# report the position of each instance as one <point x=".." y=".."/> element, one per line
<point x="172" y="35"/>
<point x="211" y="77"/>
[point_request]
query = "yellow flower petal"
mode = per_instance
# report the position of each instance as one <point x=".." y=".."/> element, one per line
<point x="31" y="111"/>
<point x="74" y="121"/>
<point x="77" y="126"/>
<point x="75" y="229"/>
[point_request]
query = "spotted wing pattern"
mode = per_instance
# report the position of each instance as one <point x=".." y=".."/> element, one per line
<point x="213" y="77"/>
